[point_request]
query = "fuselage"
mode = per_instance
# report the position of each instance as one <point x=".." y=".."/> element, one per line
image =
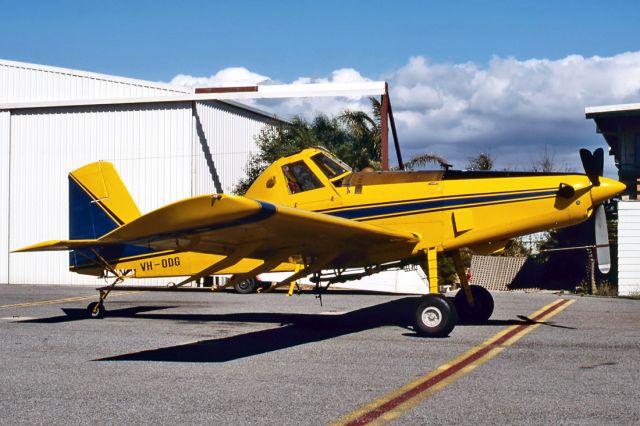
<point x="445" y="210"/>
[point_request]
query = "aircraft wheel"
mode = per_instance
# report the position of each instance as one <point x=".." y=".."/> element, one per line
<point x="435" y="316"/>
<point x="482" y="308"/>
<point x="96" y="309"/>
<point x="246" y="286"/>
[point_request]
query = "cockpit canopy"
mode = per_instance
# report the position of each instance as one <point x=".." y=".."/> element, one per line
<point x="300" y="177"/>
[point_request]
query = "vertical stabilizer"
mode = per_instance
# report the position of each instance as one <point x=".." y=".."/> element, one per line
<point x="98" y="201"/>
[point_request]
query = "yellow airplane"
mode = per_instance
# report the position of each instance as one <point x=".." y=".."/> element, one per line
<point x="310" y="214"/>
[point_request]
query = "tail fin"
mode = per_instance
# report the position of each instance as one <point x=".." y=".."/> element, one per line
<point x="98" y="201"/>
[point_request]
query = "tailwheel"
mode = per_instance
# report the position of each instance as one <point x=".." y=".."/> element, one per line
<point x="481" y="309"/>
<point x="96" y="309"/>
<point x="435" y="316"/>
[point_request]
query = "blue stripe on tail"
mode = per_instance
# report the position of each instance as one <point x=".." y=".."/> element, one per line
<point x="88" y="220"/>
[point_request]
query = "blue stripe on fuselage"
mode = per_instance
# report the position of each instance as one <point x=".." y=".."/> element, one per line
<point x="412" y="208"/>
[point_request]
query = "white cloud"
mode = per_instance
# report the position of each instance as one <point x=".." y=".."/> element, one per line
<point x="233" y="76"/>
<point x="513" y="108"/>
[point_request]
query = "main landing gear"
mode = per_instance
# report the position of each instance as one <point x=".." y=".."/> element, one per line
<point x="436" y="315"/>
<point x="480" y="310"/>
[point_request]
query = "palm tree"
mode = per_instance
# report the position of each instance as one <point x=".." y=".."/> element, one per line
<point x="422" y="160"/>
<point x="365" y="134"/>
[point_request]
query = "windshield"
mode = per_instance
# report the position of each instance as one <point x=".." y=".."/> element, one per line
<point x="328" y="166"/>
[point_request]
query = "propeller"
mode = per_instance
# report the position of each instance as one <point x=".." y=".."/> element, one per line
<point x="593" y="164"/>
<point x="600" y="190"/>
<point x="603" y="254"/>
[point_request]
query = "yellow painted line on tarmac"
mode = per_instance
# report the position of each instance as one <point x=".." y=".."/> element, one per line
<point x="65" y="300"/>
<point x="394" y="404"/>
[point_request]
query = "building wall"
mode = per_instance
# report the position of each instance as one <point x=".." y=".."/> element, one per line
<point x="231" y="133"/>
<point x="147" y="146"/>
<point x="4" y="195"/>
<point x="628" y="247"/>
<point x="158" y="150"/>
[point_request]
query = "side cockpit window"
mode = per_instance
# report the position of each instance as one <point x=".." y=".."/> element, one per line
<point x="300" y="178"/>
<point x="328" y="166"/>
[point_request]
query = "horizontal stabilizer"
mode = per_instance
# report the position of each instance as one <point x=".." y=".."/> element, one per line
<point x="58" y="245"/>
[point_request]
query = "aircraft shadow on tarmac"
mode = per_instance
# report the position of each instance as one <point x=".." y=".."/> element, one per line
<point x="294" y="329"/>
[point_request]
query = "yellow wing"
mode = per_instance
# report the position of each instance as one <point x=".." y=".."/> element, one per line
<point x="228" y="225"/>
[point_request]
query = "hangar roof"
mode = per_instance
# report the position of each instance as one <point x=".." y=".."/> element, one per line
<point x="25" y="85"/>
<point x="612" y="110"/>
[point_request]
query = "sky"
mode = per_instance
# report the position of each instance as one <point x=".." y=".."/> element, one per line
<point x="511" y="78"/>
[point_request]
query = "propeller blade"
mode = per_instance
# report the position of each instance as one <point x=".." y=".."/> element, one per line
<point x="598" y="159"/>
<point x="603" y="255"/>
<point x="593" y="164"/>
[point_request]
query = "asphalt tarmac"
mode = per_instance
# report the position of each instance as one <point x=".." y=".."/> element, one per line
<point x="220" y="358"/>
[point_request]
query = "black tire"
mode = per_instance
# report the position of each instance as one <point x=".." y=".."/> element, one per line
<point x="96" y="309"/>
<point x="482" y="307"/>
<point x="435" y="316"/>
<point x="246" y="286"/>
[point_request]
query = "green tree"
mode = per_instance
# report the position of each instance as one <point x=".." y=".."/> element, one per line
<point x="482" y="161"/>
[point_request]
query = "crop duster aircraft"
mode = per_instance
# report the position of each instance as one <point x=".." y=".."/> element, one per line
<point x="310" y="214"/>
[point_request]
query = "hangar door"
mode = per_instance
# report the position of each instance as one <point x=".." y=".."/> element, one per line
<point x="152" y="147"/>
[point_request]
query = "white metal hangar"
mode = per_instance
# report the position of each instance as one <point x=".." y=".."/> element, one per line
<point x="164" y="151"/>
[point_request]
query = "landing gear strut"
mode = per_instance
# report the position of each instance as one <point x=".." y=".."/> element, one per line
<point x="435" y="316"/>
<point x="96" y="309"/>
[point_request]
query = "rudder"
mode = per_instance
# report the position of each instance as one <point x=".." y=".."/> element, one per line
<point x="98" y="201"/>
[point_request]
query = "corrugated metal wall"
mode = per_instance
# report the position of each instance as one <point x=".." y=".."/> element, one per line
<point x="231" y="134"/>
<point x="4" y="195"/>
<point x="157" y="148"/>
<point x="150" y="148"/>
<point x="628" y="247"/>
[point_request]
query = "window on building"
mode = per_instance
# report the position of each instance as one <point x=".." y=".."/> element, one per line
<point x="637" y="151"/>
<point x="300" y="178"/>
